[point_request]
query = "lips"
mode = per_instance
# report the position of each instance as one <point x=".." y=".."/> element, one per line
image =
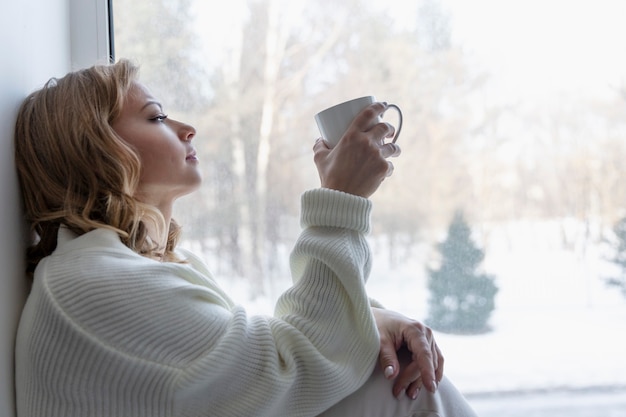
<point x="191" y="156"/>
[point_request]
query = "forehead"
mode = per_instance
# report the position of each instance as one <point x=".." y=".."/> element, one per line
<point x="138" y="95"/>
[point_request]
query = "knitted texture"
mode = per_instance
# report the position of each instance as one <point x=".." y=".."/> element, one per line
<point x="107" y="332"/>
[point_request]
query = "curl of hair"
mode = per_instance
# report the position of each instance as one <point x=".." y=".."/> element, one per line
<point x="75" y="171"/>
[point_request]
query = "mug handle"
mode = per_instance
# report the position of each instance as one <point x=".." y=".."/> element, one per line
<point x="395" y="137"/>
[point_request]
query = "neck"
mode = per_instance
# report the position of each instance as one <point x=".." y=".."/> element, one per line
<point x="158" y="232"/>
<point x="163" y="204"/>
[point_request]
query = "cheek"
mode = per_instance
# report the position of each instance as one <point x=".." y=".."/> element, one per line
<point x="158" y="163"/>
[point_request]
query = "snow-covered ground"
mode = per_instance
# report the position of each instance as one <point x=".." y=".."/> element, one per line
<point x="608" y="403"/>
<point x="557" y="326"/>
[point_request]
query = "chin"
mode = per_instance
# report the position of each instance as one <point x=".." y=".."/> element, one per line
<point x="195" y="186"/>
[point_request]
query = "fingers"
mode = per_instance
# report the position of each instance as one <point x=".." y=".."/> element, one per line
<point x="369" y="116"/>
<point x="390" y="150"/>
<point x="426" y="364"/>
<point x="409" y="381"/>
<point x="439" y="361"/>
<point x="389" y="169"/>
<point x="358" y="163"/>
<point x="408" y="354"/>
<point x="369" y="120"/>
<point x="320" y="144"/>
<point x="414" y="388"/>
<point x="427" y="361"/>
<point x="388" y="358"/>
<point x="320" y="150"/>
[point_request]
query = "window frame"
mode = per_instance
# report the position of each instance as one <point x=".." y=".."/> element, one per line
<point x="91" y="32"/>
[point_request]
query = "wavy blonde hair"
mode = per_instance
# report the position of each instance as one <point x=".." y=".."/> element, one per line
<point x="74" y="170"/>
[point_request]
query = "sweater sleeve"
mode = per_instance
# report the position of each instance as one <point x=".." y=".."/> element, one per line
<point x="119" y="334"/>
<point x="322" y="343"/>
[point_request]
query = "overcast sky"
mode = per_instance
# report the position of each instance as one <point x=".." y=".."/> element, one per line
<point x="546" y="45"/>
<point x="530" y="47"/>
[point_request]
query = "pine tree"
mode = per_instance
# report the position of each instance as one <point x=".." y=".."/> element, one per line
<point x="461" y="299"/>
<point x="619" y="259"/>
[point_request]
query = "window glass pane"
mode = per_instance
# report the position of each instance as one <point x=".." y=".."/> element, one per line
<point x="502" y="225"/>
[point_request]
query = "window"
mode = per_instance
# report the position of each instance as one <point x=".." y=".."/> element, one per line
<point x="514" y="130"/>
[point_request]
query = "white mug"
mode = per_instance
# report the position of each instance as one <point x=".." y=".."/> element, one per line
<point x="334" y="121"/>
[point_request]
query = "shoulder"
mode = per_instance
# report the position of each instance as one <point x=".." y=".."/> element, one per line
<point x="104" y="294"/>
<point x="98" y="262"/>
<point x="194" y="260"/>
<point x="98" y="253"/>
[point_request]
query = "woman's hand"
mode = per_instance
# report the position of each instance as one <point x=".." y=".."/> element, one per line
<point x="425" y="366"/>
<point x="358" y="164"/>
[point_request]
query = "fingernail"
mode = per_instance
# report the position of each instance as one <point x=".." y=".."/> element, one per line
<point x="435" y="385"/>
<point x="388" y="371"/>
<point x="414" y="396"/>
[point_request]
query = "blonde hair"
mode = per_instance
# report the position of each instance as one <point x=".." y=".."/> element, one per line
<point x="74" y="170"/>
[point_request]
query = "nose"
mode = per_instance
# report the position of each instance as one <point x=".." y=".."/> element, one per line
<point x="184" y="131"/>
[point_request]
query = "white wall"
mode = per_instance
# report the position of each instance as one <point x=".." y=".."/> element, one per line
<point x="36" y="45"/>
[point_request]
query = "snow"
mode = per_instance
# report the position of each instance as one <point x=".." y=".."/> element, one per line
<point x="556" y="326"/>
<point x="556" y="404"/>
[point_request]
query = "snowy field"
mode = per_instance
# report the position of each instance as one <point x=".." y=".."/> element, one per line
<point x="556" y="324"/>
<point x="557" y="327"/>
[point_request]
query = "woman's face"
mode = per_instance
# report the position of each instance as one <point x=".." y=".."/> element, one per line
<point x="169" y="167"/>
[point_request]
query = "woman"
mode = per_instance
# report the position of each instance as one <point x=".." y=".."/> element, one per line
<point x="120" y="322"/>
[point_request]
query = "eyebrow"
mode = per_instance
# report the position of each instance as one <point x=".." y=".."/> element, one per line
<point x="151" y="102"/>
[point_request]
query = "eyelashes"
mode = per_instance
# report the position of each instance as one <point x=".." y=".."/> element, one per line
<point x="159" y="118"/>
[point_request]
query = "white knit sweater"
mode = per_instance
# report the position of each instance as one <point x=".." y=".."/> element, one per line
<point x="107" y="332"/>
